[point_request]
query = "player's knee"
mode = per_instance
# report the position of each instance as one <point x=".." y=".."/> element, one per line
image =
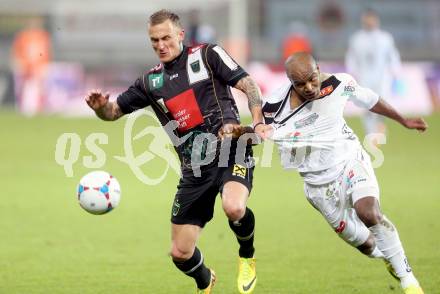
<point x="370" y="217"/>
<point x="234" y="212"/>
<point x="181" y="253"/>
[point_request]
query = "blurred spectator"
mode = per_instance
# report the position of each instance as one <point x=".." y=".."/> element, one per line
<point x="31" y="54"/>
<point x="296" y="40"/>
<point x="200" y="33"/>
<point x="374" y="61"/>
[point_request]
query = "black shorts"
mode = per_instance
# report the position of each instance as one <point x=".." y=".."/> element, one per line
<point x="195" y="197"/>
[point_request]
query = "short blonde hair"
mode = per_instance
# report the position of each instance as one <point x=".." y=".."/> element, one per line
<point x="163" y="15"/>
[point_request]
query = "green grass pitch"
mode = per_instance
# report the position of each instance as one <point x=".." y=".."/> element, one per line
<point x="48" y="244"/>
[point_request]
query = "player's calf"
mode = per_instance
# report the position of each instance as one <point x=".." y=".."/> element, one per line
<point x="195" y="268"/>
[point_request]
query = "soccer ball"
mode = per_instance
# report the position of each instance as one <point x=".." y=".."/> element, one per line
<point x="98" y="192"/>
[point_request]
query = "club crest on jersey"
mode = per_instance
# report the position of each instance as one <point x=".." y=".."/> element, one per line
<point x="326" y="91"/>
<point x="195" y="66"/>
<point x="239" y="171"/>
<point x="155" y="81"/>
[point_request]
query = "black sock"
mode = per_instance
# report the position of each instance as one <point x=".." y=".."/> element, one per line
<point x="195" y="268"/>
<point x="244" y="231"/>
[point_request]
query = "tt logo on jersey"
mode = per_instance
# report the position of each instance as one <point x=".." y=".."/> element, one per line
<point x="155" y="81"/>
<point x="239" y="171"/>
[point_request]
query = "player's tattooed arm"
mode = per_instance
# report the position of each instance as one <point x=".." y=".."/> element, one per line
<point x="252" y="91"/>
<point x="103" y="108"/>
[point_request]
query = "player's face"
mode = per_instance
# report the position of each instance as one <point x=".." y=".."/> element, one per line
<point x="307" y="84"/>
<point x="370" y="21"/>
<point x="166" y="39"/>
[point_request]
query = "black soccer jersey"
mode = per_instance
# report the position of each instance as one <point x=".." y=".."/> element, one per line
<point x="193" y="89"/>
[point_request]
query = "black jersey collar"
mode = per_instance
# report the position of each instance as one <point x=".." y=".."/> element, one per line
<point x="175" y="61"/>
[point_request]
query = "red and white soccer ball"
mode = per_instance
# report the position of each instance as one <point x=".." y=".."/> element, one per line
<point x="99" y="192"/>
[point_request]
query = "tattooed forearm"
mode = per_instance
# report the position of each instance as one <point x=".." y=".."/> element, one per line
<point x="252" y="91"/>
<point x="110" y="111"/>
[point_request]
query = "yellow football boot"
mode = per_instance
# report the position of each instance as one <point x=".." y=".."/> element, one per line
<point x="247" y="275"/>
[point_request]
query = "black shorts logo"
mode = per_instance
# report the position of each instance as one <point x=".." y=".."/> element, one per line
<point x="239" y="171"/>
<point x="176" y="208"/>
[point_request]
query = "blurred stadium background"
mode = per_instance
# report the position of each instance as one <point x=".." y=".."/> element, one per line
<point x="49" y="245"/>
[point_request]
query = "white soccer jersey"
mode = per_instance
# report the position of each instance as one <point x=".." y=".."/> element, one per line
<point x="373" y="60"/>
<point x="314" y="138"/>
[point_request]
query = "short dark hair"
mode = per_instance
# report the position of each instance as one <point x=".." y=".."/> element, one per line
<point x="163" y="15"/>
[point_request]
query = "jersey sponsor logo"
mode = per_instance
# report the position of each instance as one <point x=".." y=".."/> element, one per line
<point x="155" y="81"/>
<point x="359" y="180"/>
<point x="326" y="91"/>
<point x="348" y="90"/>
<point x="195" y="67"/>
<point x="306" y="121"/>
<point x="226" y="58"/>
<point x="185" y="110"/>
<point x="239" y="171"/>
<point x="174" y="76"/>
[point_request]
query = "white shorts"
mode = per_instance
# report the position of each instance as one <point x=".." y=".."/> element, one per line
<point x="335" y="200"/>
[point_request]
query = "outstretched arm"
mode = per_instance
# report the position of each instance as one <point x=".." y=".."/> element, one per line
<point x="248" y="86"/>
<point x="383" y="108"/>
<point x="103" y="108"/>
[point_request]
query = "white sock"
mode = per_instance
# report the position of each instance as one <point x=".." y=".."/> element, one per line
<point x="388" y="242"/>
<point x="376" y="253"/>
